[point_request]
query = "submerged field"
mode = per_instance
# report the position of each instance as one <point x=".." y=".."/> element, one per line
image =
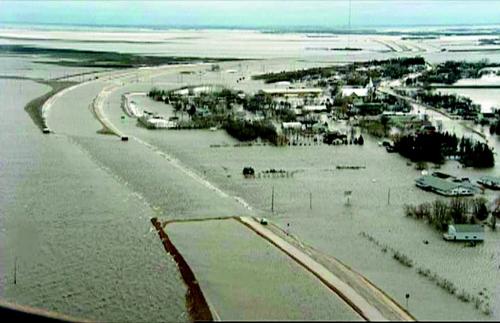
<point x="269" y="286"/>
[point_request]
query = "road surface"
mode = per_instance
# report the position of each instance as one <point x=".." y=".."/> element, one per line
<point x="346" y="292"/>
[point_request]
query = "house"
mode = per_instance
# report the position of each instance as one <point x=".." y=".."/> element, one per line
<point x="446" y="187"/>
<point x="314" y="108"/>
<point x="319" y="128"/>
<point x="203" y="112"/>
<point x="155" y="121"/>
<point x="491" y="182"/>
<point x="464" y="232"/>
<point x="293" y="126"/>
<point x="359" y="92"/>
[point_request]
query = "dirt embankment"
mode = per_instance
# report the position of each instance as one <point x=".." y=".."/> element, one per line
<point x="196" y="303"/>
<point x="34" y="107"/>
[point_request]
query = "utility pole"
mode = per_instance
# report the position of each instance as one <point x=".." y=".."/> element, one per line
<point x="272" y="200"/>
<point x="15" y="270"/>
<point x="310" y="201"/>
<point x="389" y="196"/>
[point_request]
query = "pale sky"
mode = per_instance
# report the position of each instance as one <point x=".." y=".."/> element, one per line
<point x="257" y="14"/>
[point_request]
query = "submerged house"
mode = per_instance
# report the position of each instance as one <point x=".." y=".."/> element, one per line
<point x="464" y="232"/>
<point x="446" y="187"/>
<point x="491" y="182"/>
<point x="292" y="126"/>
<point x="155" y="121"/>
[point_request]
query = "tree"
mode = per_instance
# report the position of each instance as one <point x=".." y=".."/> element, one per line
<point x="384" y="120"/>
<point x="479" y="209"/>
<point x="458" y="210"/>
<point x="441" y="217"/>
<point x="361" y="141"/>
<point x="192" y="110"/>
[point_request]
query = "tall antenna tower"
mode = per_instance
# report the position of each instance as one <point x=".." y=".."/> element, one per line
<point x="349" y="27"/>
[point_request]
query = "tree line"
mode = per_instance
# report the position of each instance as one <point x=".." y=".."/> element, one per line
<point x="455" y="104"/>
<point x="436" y="146"/>
<point x="450" y="72"/>
<point x="440" y="213"/>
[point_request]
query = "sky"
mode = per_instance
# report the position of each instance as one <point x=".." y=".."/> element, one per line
<point x="252" y="14"/>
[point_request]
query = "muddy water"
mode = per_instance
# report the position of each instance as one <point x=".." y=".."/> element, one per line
<point x="81" y="239"/>
<point x="334" y="227"/>
<point x="376" y="206"/>
<point x="68" y="190"/>
<point x="269" y="286"/>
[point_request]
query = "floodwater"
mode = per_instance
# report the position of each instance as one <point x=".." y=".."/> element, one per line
<point x="488" y="99"/>
<point x="378" y="195"/>
<point x="81" y="239"/>
<point x="269" y="286"/>
<point x="75" y="206"/>
<point x="253" y="44"/>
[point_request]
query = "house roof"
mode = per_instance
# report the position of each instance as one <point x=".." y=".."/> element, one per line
<point x="437" y="183"/>
<point x="358" y="91"/>
<point x="292" y="125"/>
<point x="492" y="179"/>
<point x="468" y="227"/>
<point x="314" y="108"/>
<point x="446" y="185"/>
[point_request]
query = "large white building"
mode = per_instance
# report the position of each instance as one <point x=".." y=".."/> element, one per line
<point x="464" y="232"/>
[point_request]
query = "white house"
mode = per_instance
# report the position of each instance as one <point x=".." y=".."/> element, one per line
<point x="314" y="108"/>
<point x="360" y="92"/>
<point x="292" y="126"/>
<point x="464" y="232"/>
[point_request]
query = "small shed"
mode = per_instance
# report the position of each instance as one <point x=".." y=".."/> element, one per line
<point x="465" y="232"/>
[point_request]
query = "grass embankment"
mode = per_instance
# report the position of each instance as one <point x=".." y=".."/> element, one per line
<point x="196" y="303"/>
<point x="34" y="107"/>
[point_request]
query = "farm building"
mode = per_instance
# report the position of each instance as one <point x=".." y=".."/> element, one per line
<point x="446" y="187"/>
<point x="490" y="182"/>
<point x="465" y="232"/>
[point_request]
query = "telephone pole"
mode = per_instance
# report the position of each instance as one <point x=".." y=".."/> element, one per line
<point x="272" y="200"/>
<point x="15" y="270"/>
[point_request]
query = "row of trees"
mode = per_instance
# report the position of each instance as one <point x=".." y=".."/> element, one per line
<point x="436" y="146"/>
<point x="495" y="127"/>
<point x="475" y="154"/>
<point x="391" y="68"/>
<point x="298" y="75"/>
<point x="455" y="104"/>
<point x="440" y="213"/>
<point x="396" y="68"/>
<point x="451" y="71"/>
<point x="247" y="130"/>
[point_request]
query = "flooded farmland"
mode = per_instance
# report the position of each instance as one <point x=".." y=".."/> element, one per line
<point x="76" y="206"/>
